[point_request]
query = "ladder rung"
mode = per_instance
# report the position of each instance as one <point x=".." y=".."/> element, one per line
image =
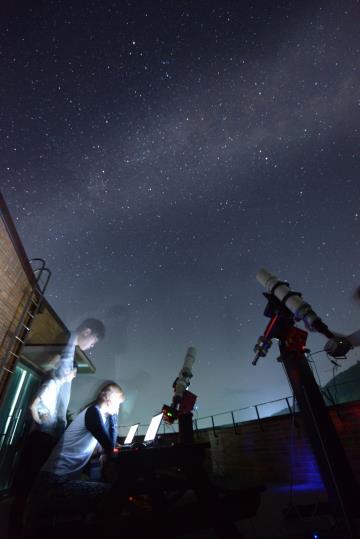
<point x="16" y="355"/>
<point x="25" y="327"/>
<point x="30" y="314"/>
<point x="7" y="370"/>
<point x="18" y="338"/>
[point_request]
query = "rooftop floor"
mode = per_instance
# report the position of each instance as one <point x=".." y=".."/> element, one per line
<point x="284" y="513"/>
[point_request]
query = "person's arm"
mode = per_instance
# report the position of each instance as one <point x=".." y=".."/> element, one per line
<point x="46" y="393"/>
<point x="67" y="356"/>
<point x="111" y="423"/>
<point x="94" y="424"/>
<point x="34" y="410"/>
<point x="354" y="338"/>
<point x="52" y="362"/>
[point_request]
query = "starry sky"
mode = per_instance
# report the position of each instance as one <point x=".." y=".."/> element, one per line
<point x="158" y="154"/>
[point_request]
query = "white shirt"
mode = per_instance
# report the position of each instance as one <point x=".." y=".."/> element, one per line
<point x="54" y="394"/>
<point x="48" y="397"/>
<point x="74" y="449"/>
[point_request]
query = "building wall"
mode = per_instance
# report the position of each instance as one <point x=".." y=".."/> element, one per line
<point x="277" y="450"/>
<point x="15" y="289"/>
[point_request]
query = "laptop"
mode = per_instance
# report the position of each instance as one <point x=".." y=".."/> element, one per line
<point x="153" y="429"/>
<point x="130" y="435"/>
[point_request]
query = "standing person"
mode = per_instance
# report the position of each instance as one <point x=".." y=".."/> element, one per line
<point x="48" y="411"/>
<point x="58" y="485"/>
<point x="85" y="337"/>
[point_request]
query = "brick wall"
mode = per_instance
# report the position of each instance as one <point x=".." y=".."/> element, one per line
<point x="278" y="450"/>
<point x="14" y="291"/>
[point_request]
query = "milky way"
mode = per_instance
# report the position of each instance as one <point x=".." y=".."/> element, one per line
<point x="157" y="155"/>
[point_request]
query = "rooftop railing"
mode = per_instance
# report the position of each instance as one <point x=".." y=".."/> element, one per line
<point x="259" y="411"/>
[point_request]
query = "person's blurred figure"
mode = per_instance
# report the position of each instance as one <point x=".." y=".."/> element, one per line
<point x="59" y="486"/>
<point x="48" y="410"/>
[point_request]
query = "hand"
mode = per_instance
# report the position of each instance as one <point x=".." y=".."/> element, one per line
<point x="44" y="418"/>
<point x="39" y="418"/>
<point x="36" y="417"/>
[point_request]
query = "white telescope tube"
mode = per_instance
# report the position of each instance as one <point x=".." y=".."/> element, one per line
<point x="185" y="374"/>
<point x="337" y="345"/>
<point x="300" y="309"/>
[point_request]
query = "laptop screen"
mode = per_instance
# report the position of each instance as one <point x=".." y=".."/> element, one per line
<point x="130" y="435"/>
<point x="153" y="428"/>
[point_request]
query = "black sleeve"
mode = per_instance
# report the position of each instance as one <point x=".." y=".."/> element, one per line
<point x="94" y="424"/>
<point x="111" y="424"/>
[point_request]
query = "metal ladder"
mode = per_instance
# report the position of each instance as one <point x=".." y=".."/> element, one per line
<point x="30" y="310"/>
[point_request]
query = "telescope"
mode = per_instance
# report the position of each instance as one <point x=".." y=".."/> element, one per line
<point x="286" y="307"/>
<point x="183" y="400"/>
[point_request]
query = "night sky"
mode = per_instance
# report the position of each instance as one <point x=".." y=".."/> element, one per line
<point x="158" y="154"/>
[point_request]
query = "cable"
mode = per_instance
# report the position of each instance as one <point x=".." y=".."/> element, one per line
<point x="335" y="397"/>
<point x="292" y="435"/>
<point x="315" y="366"/>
